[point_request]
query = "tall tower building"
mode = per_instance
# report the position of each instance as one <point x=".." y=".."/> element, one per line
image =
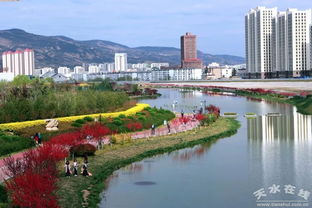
<point x="19" y="62"/>
<point x="4" y="62"/>
<point x="29" y="62"/>
<point x="279" y="44"/>
<point x="121" y="63"/>
<point x="258" y="31"/>
<point x="298" y="25"/>
<point x="189" y="52"/>
<point x="281" y="48"/>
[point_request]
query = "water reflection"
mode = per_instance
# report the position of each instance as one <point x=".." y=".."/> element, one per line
<point x="280" y="148"/>
<point x="268" y="129"/>
<point x="195" y="152"/>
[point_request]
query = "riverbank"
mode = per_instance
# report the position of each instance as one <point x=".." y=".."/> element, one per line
<point x="294" y="85"/>
<point x="302" y="100"/>
<point x="303" y="103"/>
<point x="85" y="192"/>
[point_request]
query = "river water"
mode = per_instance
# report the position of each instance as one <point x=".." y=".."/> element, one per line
<point x="269" y="160"/>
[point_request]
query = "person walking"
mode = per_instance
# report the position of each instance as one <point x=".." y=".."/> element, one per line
<point x="75" y="167"/>
<point x="153" y="129"/>
<point x="39" y="139"/>
<point x="85" y="160"/>
<point x="182" y="114"/>
<point x="36" y="138"/>
<point x="67" y="168"/>
<point x="85" y="170"/>
<point x="168" y="126"/>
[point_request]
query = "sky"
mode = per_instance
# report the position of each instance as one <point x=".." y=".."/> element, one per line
<point x="218" y="24"/>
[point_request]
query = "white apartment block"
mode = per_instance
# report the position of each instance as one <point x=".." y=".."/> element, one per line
<point x="258" y="30"/>
<point x="93" y="69"/>
<point x="107" y="67"/>
<point x="298" y="25"/>
<point x="159" y="65"/>
<point x="121" y="63"/>
<point x="63" y="70"/>
<point x="279" y="42"/>
<point x="79" y="70"/>
<point x="29" y="62"/>
<point x="45" y="70"/>
<point x="279" y="49"/>
<point x="19" y="62"/>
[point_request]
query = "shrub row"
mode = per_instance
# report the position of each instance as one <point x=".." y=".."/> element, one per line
<point x="10" y="143"/>
<point x="59" y="104"/>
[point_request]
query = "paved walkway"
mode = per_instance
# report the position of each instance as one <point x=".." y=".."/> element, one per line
<point x="176" y="125"/>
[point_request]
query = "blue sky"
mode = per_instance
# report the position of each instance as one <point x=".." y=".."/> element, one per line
<point x="219" y="24"/>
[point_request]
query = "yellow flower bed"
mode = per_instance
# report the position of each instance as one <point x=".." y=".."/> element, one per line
<point x="20" y="125"/>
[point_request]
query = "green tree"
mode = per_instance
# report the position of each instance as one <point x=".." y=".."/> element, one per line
<point x="21" y="80"/>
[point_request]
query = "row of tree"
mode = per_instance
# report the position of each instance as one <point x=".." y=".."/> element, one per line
<point x="25" y="99"/>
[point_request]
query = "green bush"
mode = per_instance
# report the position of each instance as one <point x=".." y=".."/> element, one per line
<point x="11" y="143"/>
<point x="3" y="194"/>
<point x="78" y="125"/>
<point x="130" y="117"/>
<point x="83" y="149"/>
<point x="122" y="116"/>
<point x="80" y="121"/>
<point x="118" y="122"/>
<point x="142" y="118"/>
<point x="88" y="119"/>
<point x="140" y="114"/>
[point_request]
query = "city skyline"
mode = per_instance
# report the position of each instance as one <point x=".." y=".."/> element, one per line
<point x="137" y="23"/>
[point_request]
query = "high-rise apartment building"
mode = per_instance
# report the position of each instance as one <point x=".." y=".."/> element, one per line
<point x="19" y="62"/>
<point x="189" y="52"/>
<point x="298" y="25"/>
<point x="121" y="63"/>
<point x="281" y="48"/>
<point x="29" y="62"/>
<point x="258" y="30"/>
<point x="279" y="44"/>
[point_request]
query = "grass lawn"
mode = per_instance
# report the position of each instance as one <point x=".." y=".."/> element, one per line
<point x="84" y="191"/>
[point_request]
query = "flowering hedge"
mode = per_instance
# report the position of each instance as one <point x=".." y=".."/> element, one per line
<point x="20" y="125"/>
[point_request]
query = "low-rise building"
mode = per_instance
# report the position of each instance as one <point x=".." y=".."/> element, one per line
<point x="57" y="77"/>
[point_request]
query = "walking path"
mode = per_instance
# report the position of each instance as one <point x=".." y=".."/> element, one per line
<point x="176" y="125"/>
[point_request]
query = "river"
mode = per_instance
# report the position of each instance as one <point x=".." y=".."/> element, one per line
<point x="269" y="160"/>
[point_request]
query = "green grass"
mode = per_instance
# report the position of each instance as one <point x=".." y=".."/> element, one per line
<point x="112" y="158"/>
<point x="230" y="114"/>
<point x="303" y="104"/>
<point x="250" y="114"/>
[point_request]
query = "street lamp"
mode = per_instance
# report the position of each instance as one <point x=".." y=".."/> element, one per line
<point x="203" y="103"/>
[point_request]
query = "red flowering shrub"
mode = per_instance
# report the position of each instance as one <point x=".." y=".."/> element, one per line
<point x="213" y="109"/>
<point x="199" y="117"/>
<point x="134" y="126"/>
<point x="70" y="138"/>
<point x="287" y="94"/>
<point x="185" y="119"/>
<point x="44" y="159"/>
<point x="83" y="149"/>
<point x="34" y="176"/>
<point x="96" y="130"/>
<point x="34" y="190"/>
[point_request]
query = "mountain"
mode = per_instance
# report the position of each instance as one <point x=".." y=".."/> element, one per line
<point x="57" y="51"/>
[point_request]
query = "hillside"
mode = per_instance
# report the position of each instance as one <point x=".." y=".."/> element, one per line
<point x="63" y="51"/>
